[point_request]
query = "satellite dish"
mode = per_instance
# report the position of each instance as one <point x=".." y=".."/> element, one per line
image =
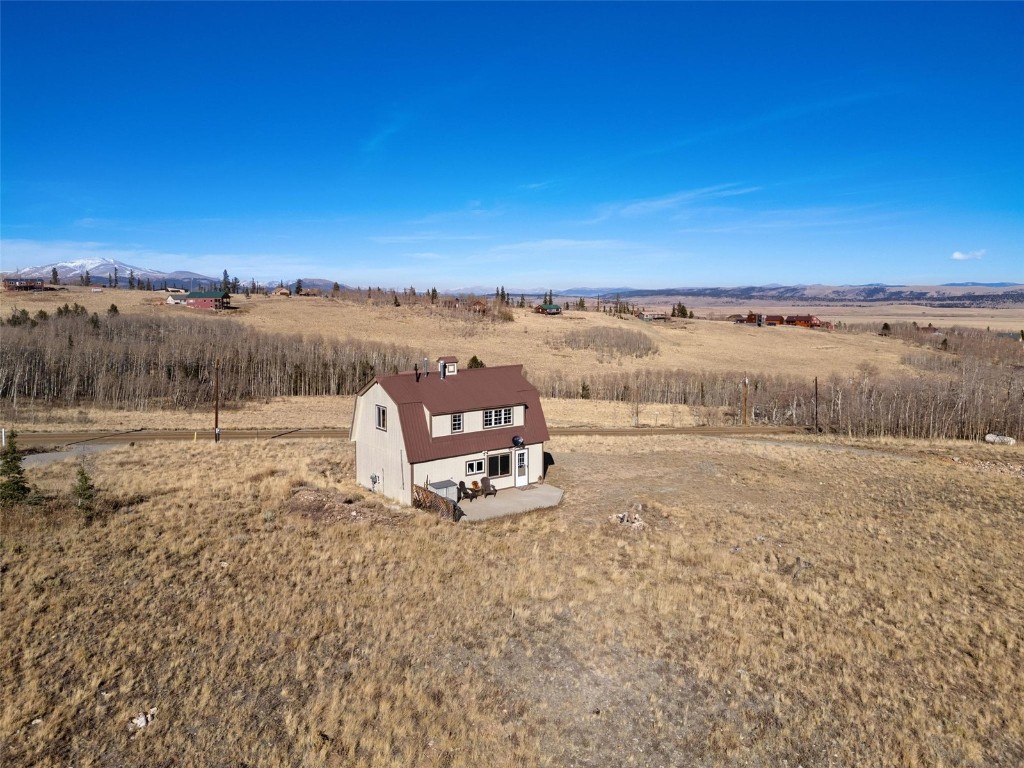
<point x="517" y="441"/>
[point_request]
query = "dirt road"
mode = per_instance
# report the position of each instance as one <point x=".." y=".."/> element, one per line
<point x="55" y="439"/>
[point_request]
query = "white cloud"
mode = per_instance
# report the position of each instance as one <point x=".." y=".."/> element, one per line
<point x="968" y="256"/>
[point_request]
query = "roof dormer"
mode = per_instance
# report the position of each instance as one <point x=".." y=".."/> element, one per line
<point x="447" y="366"/>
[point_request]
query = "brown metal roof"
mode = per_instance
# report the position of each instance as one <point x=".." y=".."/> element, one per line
<point x="469" y="390"/>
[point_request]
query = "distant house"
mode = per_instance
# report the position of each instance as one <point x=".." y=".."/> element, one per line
<point x="804" y="321"/>
<point x="208" y="299"/>
<point x="548" y="309"/>
<point x="282" y="291"/>
<point x="448" y="425"/>
<point x="175" y="300"/>
<point x="774" y="320"/>
<point x="23" y="284"/>
<point x="478" y="306"/>
<point x="649" y="316"/>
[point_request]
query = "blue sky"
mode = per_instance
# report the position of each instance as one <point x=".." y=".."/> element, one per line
<point x="526" y="145"/>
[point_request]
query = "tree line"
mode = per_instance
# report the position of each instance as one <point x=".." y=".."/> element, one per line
<point x="74" y="358"/>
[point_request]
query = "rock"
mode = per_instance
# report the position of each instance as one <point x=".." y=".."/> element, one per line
<point x="143" y="719"/>
<point x="999" y="439"/>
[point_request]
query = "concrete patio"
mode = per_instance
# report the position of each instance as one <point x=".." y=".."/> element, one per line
<point x="511" y="501"/>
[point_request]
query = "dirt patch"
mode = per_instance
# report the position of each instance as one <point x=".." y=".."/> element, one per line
<point x="323" y="506"/>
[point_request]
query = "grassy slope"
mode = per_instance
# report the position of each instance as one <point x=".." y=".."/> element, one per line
<point x="269" y="627"/>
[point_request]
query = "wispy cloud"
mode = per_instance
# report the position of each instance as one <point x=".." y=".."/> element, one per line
<point x="968" y="256"/>
<point x="730" y="220"/>
<point x="474" y="210"/>
<point x="535" y="186"/>
<point x="423" y="237"/>
<point x="672" y="202"/>
<point x="394" y="126"/>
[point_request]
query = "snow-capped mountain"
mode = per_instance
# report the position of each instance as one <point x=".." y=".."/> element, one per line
<point x="103" y="271"/>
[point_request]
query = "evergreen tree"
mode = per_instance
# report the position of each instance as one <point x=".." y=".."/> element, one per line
<point x="110" y="281"/>
<point x="113" y="310"/>
<point x="522" y="301"/>
<point x="84" y="492"/>
<point x="13" y="486"/>
<point x="54" y="277"/>
<point x="225" y="282"/>
<point x="115" y="278"/>
<point x="336" y="288"/>
<point x="298" y="286"/>
<point x="433" y="295"/>
<point x="131" y="279"/>
<point x="475" y="362"/>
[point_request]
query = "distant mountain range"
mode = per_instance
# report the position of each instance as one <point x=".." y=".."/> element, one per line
<point x="102" y="272"/>
<point x="950" y="295"/>
<point x="947" y="295"/>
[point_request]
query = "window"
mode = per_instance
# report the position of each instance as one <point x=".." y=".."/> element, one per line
<point x="382" y="418"/>
<point x="475" y="467"/>
<point x="456" y="422"/>
<point x="499" y="465"/>
<point x="498" y="417"/>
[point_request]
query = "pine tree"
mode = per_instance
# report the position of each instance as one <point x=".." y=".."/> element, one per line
<point x="84" y="492"/>
<point x="13" y="486"/>
<point x="54" y="277"/>
<point x="433" y="295"/>
<point x="225" y="283"/>
<point x="298" y="286"/>
<point x="131" y="279"/>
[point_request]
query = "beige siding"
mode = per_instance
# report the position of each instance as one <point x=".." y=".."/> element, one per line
<point x="380" y="452"/>
<point x="455" y="468"/>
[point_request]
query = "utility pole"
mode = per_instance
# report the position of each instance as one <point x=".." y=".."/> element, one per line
<point x="216" y="402"/>
<point x="746" y="386"/>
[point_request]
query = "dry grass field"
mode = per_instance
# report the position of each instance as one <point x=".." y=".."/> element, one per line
<point x="534" y="340"/>
<point x="999" y="319"/>
<point x="805" y="602"/>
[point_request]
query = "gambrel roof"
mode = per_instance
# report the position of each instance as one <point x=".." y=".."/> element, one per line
<point x="472" y="389"/>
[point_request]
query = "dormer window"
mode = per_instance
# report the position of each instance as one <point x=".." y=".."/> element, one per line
<point x="497" y="417"/>
<point x="382" y="418"/>
<point x="456" y="422"/>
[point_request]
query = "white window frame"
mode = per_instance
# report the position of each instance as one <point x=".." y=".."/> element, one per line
<point x="497" y="417"/>
<point x="382" y="418"/>
<point x="457" y="419"/>
<point x="475" y="467"/>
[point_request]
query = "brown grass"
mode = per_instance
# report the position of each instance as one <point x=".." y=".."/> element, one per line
<point x="536" y="341"/>
<point x="810" y="601"/>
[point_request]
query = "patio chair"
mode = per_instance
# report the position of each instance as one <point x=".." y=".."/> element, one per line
<point x="488" y="489"/>
<point x="466" y="493"/>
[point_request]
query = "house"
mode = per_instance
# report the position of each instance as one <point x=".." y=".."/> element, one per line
<point x="23" y="284"/>
<point x="649" y="316"/>
<point x="282" y="291"/>
<point x="425" y="426"/>
<point x="208" y="299"/>
<point x="175" y="300"/>
<point x="774" y="320"/>
<point x="548" y="309"/>
<point x="804" y="321"/>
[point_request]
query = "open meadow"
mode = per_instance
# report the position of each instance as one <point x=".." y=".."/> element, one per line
<point x="846" y="599"/>
<point x="805" y="602"/>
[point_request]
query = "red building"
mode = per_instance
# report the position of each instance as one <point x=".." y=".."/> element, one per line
<point x="208" y="300"/>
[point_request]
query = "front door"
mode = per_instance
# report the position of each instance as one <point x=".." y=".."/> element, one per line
<point x="522" y="468"/>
